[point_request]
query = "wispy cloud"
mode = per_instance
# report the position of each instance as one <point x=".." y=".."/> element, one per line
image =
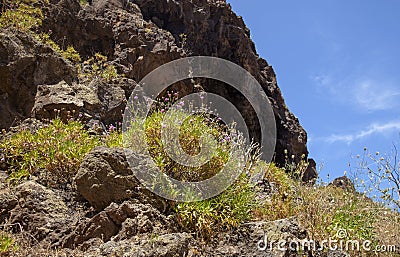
<point x="372" y="129"/>
<point x="363" y="93"/>
<point x="374" y="96"/>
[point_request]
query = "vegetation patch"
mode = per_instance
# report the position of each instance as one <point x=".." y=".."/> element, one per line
<point x="221" y="213"/>
<point x="57" y="147"/>
<point x="98" y="67"/>
<point x="21" y="15"/>
<point x="7" y="243"/>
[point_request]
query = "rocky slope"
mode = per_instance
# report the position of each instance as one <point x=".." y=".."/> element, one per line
<point x="105" y="211"/>
<point x="109" y="214"/>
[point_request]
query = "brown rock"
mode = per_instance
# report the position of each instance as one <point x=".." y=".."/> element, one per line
<point x="119" y="222"/>
<point x="40" y="211"/>
<point x="25" y="64"/>
<point x="104" y="102"/>
<point x="310" y="175"/>
<point x="104" y="177"/>
<point x="344" y="182"/>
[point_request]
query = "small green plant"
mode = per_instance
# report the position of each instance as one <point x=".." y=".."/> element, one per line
<point x="70" y="53"/>
<point x="223" y="212"/>
<point x="57" y="147"/>
<point x="98" y="67"/>
<point x="281" y="204"/>
<point x="294" y="169"/>
<point x="7" y="243"/>
<point x="20" y="15"/>
<point x="183" y="38"/>
<point x="114" y="137"/>
<point x="148" y="31"/>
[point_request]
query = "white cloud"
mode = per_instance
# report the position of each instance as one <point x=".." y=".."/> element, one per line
<point x="374" y="96"/>
<point x="365" y="94"/>
<point x="373" y="129"/>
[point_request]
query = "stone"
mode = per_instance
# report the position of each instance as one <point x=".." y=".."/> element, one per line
<point x="168" y="245"/>
<point x="105" y="102"/>
<point x="39" y="210"/>
<point x="118" y="222"/>
<point x="249" y="239"/>
<point x="104" y="177"/>
<point x="344" y="183"/>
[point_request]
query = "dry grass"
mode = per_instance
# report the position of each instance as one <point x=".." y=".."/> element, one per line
<point x="326" y="210"/>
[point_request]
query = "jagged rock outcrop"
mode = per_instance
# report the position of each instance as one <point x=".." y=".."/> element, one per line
<point x="344" y="183"/>
<point x="26" y="63"/>
<point x="128" y="220"/>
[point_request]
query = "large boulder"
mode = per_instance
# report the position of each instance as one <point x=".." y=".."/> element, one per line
<point x="37" y="209"/>
<point x="97" y="100"/>
<point x="105" y="177"/>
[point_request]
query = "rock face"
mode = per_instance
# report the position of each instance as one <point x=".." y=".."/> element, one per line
<point x="138" y="36"/>
<point x="24" y="64"/>
<point x="211" y="28"/>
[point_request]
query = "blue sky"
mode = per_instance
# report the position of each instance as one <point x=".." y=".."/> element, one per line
<point x="338" y="66"/>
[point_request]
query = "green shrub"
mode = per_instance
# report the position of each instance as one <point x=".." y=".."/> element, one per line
<point x="7" y="243"/>
<point x="205" y="218"/>
<point x="20" y="15"/>
<point x="98" y="67"/>
<point x="70" y="53"/>
<point x="223" y="212"/>
<point x="191" y="129"/>
<point x="57" y="147"/>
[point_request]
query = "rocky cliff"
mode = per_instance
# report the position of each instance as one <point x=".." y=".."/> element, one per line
<point x="78" y="196"/>
<point x="137" y="37"/>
